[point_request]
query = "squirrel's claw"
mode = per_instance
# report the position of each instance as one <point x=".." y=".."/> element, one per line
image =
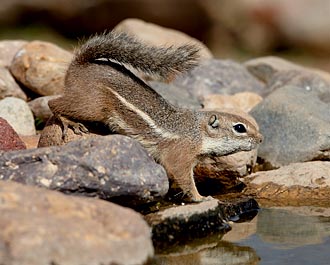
<point x="77" y="127"/>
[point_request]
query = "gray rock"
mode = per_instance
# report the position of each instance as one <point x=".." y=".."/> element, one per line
<point x="8" y="86"/>
<point x="40" y="226"/>
<point x="9" y="139"/>
<point x="41" y="67"/>
<point x="40" y="108"/>
<point x="219" y="77"/>
<point x="294" y="121"/>
<point x="178" y="96"/>
<point x="310" y="81"/>
<point x="110" y="167"/>
<point x="18" y="114"/>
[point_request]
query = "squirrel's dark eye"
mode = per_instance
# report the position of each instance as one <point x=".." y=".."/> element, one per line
<point x="214" y="122"/>
<point x="240" y="128"/>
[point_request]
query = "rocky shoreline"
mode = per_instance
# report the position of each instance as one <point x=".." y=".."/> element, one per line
<point x="290" y="103"/>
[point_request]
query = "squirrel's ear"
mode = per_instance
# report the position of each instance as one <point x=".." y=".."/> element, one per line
<point x="214" y="121"/>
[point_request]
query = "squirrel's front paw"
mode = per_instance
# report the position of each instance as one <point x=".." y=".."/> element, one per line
<point x="77" y="127"/>
<point x="200" y="198"/>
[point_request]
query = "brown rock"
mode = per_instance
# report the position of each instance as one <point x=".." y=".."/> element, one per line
<point x="31" y="141"/>
<point x="8" y="49"/>
<point x="9" y="139"/>
<point x="46" y="227"/>
<point x="243" y="101"/>
<point x="8" y="86"/>
<point x="299" y="183"/>
<point x="51" y="135"/>
<point x="41" y="66"/>
<point x="153" y="34"/>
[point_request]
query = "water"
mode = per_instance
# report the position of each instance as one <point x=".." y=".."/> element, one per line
<point x="286" y="236"/>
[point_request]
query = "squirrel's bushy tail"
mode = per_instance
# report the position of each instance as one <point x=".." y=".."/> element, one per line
<point x="122" y="48"/>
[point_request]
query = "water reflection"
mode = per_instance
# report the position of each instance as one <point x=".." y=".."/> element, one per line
<point x="291" y="235"/>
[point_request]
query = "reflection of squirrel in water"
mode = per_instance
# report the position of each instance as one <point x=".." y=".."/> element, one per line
<point x="99" y="87"/>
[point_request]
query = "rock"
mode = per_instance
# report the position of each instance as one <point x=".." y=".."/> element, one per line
<point x="244" y="101"/>
<point x="8" y="49"/>
<point x="52" y="135"/>
<point x="40" y="66"/>
<point x="174" y="226"/>
<point x="111" y="167"/>
<point x="306" y="80"/>
<point x="40" y="108"/>
<point x="8" y="86"/>
<point x="18" y="114"/>
<point x="220" y="175"/>
<point x="264" y="68"/>
<point x="31" y="141"/>
<point x="294" y="121"/>
<point x="296" y="184"/>
<point x="156" y="35"/>
<point x="39" y="226"/>
<point x="9" y="139"/>
<point x="219" y="77"/>
<point x="178" y="96"/>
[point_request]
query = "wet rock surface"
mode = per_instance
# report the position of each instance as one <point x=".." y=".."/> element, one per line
<point x="40" y="226"/>
<point x="9" y="139"/>
<point x="298" y="183"/>
<point x="180" y="224"/>
<point x="109" y="167"/>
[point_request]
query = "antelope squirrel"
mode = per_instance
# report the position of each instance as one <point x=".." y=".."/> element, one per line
<point x="100" y="88"/>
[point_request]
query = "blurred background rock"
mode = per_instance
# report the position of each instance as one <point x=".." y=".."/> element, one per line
<point x="298" y="30"/>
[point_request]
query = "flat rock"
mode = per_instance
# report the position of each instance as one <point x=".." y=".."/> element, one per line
<point x="181" y="224"/>
<point x="18" y="114"/>
<point x="110" y="167"/>
<point x="153" y="34"/>
<point x="40" y="226"/>
<point x="41" y="66"/>
<point x="296" y="184"/>
<point x="219" y="77"/>
<point x="294" y="121"/>
<point x="9" y="139"/>
<point x="8" y="86"/>
<point x="8" y="49"/>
